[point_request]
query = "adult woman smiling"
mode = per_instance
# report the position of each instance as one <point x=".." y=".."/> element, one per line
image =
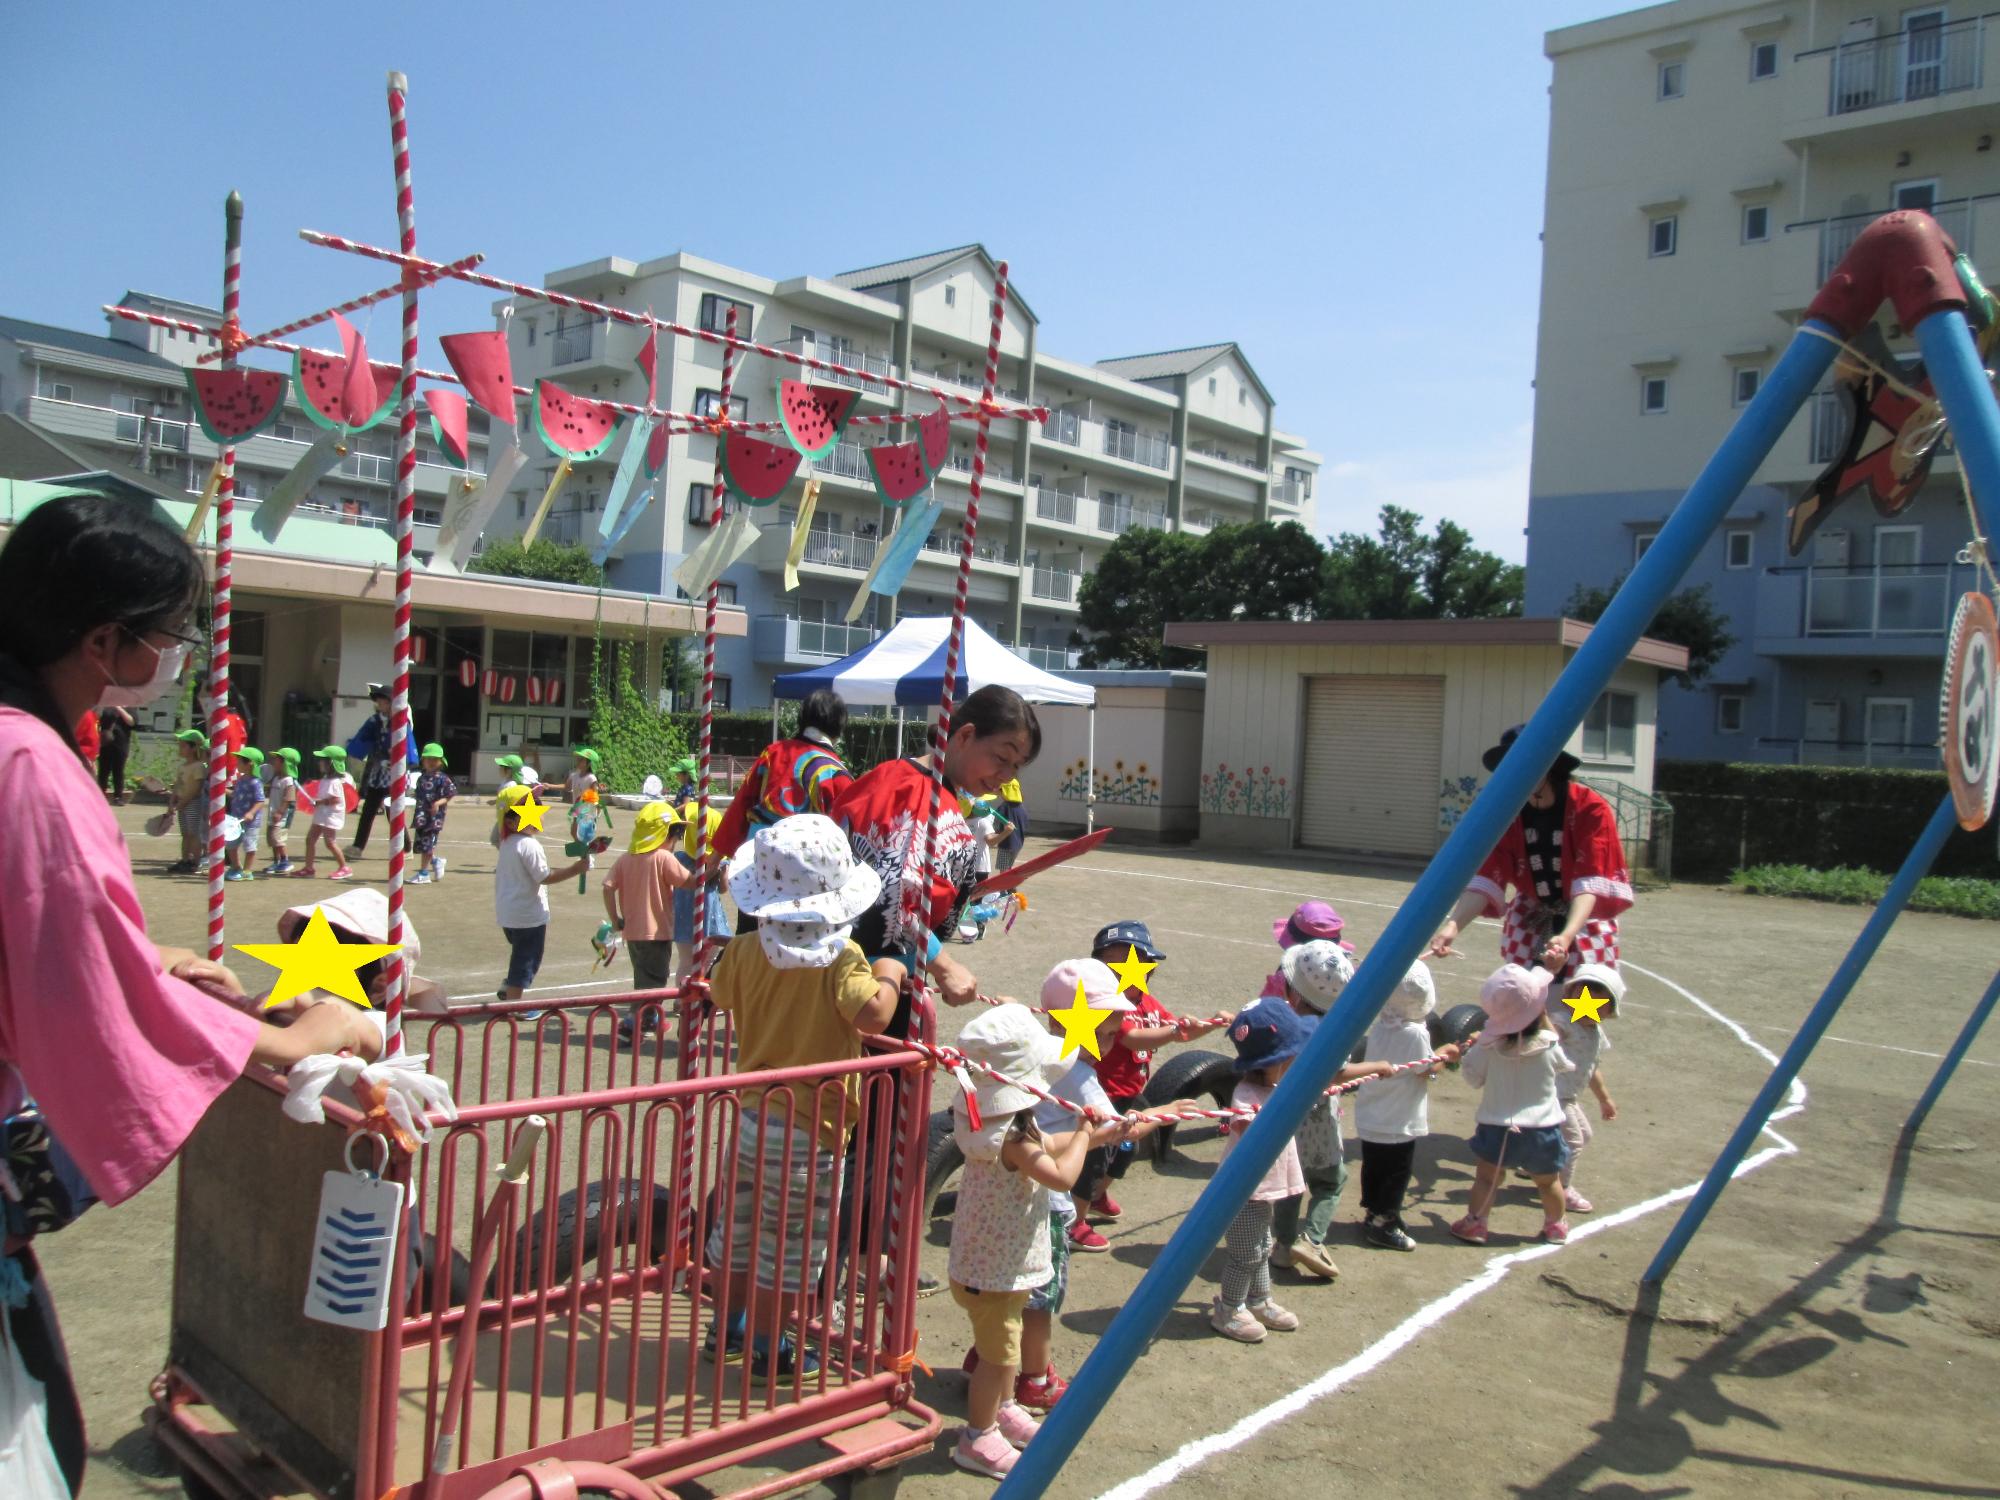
<point x="106" y="1031"/>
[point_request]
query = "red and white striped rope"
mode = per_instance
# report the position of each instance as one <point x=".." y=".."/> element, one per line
<point x="693" y="424"/>
<point x="645" y="320"/>
<point x="406" y="511"/>
<point x="955" y="639"/>
<point x="352" y="304"/>
<point x="1167" y="1018"/>
<point x="225" y="568"/>
<point x="704" y="851"/>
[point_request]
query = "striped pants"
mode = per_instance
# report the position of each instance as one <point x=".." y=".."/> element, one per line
<point x="1246" y="1257"/>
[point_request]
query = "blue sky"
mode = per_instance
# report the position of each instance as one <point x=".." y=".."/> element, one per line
<point x="1353" y="194"/>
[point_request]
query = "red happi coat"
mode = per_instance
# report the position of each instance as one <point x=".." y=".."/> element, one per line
<point x="798" y="775"/>
<point x="883" y="814"/>
<point x="1593" y="864"/>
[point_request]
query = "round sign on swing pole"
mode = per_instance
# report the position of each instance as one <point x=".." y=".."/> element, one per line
<point x="1970" y="710"/>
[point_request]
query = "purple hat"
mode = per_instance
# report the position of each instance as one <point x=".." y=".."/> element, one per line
<point x="1314" y="920"/>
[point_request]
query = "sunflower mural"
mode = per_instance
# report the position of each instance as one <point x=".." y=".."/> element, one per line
<point x="1137" y="787"/>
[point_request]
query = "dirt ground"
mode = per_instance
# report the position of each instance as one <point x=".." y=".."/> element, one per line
<point x="1826" y="1335"/>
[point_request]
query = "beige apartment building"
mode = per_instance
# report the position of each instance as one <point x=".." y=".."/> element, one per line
<point x="1183" y="439"/>
<point x="1709" y="164"/>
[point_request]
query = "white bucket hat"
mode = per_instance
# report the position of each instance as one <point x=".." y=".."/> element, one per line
<point x="363" y="912"/>
<point x="1318" y="971"/>
<point x="1100" y="986"/>
<point x="800" y="880"/>
<point x="1599" y="977"/>
<point x="1414" y="998"/>
<point x="1012" y="1041"/>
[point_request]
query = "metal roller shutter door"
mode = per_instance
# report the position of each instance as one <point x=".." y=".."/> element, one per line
<point x="1370" y="779"/>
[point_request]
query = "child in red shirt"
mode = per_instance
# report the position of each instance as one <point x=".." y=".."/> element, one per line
<point x="1124" y="1069"/>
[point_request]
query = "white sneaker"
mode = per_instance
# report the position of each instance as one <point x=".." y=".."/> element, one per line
<point x="1235" y="1323"/>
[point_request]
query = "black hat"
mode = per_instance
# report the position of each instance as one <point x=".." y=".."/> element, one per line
<point x="1564" y="767"/>
<point x="379" y="690"/>
<point x="1123" y="934"/>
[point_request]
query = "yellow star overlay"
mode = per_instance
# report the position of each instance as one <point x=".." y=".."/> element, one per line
<point x="317" y="961"/>
<point x="1079" y="1024"/>
<point x="530" y="814"/>
<point x="1586" y="1006"/>
<point x="1132" y="971"/>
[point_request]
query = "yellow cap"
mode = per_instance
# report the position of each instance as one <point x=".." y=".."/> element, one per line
<point x="653" y="827"/>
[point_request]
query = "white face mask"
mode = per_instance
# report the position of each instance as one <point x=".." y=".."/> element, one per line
<point x="166" y="672"/>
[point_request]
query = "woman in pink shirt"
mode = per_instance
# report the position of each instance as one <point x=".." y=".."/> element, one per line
<point x="107" y="1032"/>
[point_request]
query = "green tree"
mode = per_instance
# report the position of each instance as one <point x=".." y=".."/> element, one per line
<point x="552" y="562"/>
<point x="1123" y="607"/>
<point x="1402" y="574"/>
<point x="1688" y="619"/>
<point x="1262" y="570"/>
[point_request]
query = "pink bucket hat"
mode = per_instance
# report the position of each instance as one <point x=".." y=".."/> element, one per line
<point x="1100" y="986"/>
<point x="1513" y="998"/>
<point x="1313" y="920"/>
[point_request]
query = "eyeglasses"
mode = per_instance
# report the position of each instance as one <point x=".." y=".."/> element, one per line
<point x="173" y="635"/>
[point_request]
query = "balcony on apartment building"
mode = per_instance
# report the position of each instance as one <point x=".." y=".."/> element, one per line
<point x="1896" y="754"/>
<point x="594" y="346"/>
<point x="1809" y="250"/>
<point x="1818" y="435"/>
<point x="1874" y="610"/>
<point x="1111" y="439"/>
<point x="1054" y="588"/>
<point x="1117" y="515"/>
<point x="1049" y="658"/>
<point x="267" y="450"/>
<point x="847" y="354"/>
<point x="781" y="641"/>
<point x="1907" y="83"/>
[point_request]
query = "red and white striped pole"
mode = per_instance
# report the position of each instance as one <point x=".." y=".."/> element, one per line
<point x="703" y="853"/>
<point x="406" y="512"/>
<point x="225" y="568"/>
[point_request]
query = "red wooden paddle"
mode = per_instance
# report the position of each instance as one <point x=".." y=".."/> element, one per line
<point x="1007" y="880"/>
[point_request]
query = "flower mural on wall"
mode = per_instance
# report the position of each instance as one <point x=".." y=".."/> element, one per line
<point x="1454" y="797"/>
<point x="1249" y="791"/>
<point x="1132" y="788"/>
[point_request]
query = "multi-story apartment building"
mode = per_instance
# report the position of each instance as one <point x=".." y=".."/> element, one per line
<point x="1709" y="163"/>
<point x="1180" y="439"/>
<point x="122" y="396"/>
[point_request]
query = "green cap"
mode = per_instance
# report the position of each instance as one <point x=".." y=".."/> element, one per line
<point x="251" y="754"/>
<point x="335" y="753"/>
<point x="687" y="763"/>
<point x="584" y="752"/>
<point x="508" y="762"/>
<point x="432" y="751"/>
<point x="289" y="756"/>
<point x="193" y="737"/>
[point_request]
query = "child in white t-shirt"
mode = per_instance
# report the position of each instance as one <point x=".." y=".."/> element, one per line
<point x="329" y="814"/>
<point x="1392" y="1114"/>
<point x="1585" y="1042"/>
<point x="284" y="803"/>
<point x="520" y="895"/>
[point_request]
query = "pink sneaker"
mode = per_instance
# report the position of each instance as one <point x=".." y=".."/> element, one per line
<point x="1470" y="1229"/>
<point x="986" y="1453"/>
<point x="1556" y="1231"/>
<point x="1575" y="1202"/>
<point x="1017" y="1423"/>
<point x="343" y="873"/>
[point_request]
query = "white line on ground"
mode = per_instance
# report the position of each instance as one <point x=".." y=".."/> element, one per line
<point x="1192" y="1455"/>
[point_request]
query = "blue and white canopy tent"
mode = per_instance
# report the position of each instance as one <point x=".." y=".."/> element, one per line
<point x="905" y="668"/>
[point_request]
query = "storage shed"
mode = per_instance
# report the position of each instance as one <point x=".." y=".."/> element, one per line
<point x="1365" y="736"/>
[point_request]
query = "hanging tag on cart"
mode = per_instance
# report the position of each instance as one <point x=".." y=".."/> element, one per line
<point x="355" y="1244"/>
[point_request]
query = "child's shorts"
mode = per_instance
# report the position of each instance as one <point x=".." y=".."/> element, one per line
<point x="1048" y="1297"/>
<point x="996" y="1322"/>
<point x="424" y="840"/>
<point x="280" y="828"/>
<point x="191" y="818"/>
<point x="801" y="1182"/>
<point x="252" y="827"/>
<point x="1538" y="1150"/>
<point x="684" y="899"/>
<point x="524" y="961"/>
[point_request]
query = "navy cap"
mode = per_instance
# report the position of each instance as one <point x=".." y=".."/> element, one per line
<point x="1268" y="1032"/>
<point x="1128" y="934"/>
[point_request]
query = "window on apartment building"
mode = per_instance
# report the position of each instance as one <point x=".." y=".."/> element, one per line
<point x="1643" y="543"/>
<point x="520" y="507"/>
<point x="1611" y="728"/>
<point x="1738" y="547"/>
<point x="1653" y="395"/>
<point x="1744" y="381"/>
<point x="1763" y="61"/>
<point x="701" y="504"/>
<point x="529" y="324"/>
<point x="709" y="404"/>
<point x="1663" y="235"/>
<point x="722" y="695"/>
<point x="1756" y="223"/>
<point x="1302" y="478"/>
<point x="715" y="314"/>
<point x="725" y="593"/>
<point x="55" y="390"/>
<point x="1211" y="385"/>
<point x="1242" y="396"/>
<point x="1673" y="79"/>
<point x="1728" y="713"/>
<point x="950" y="295"/>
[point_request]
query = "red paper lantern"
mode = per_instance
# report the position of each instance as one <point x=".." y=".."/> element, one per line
<point x="418" y="649"/>
<point x="553" y="693"/>
<point x="535" y="691"/>
<point x="491" y="687"/>
<point x="468" y="673"/>
<point x="508" y="687"/>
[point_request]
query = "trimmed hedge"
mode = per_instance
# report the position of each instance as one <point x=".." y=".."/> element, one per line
<point x="1956" y="896"/>
<point x="868" y="740"/>
<point x="1732" y="816"/>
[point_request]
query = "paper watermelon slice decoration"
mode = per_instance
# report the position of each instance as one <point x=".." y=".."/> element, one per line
<point x="232" y="405"/>
<point x="481" y="360"/>
<point x="320" y="380"/>
<point x="656" y="449"/>
<point x="900" y="475"/>
<point x="450" y="418"/>
<point x="756" y="471"/>
<point x="572" y="426"/>
<point x="934" y="438"/>
<point x="815" y="415"/>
